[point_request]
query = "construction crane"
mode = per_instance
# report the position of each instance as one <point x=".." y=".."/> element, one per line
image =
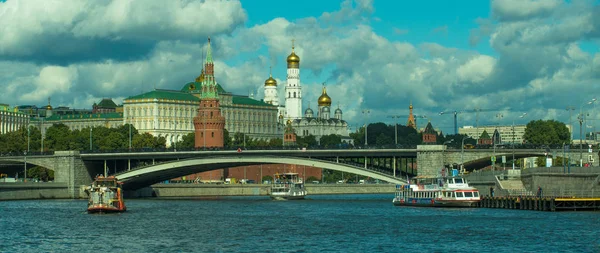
<point x="477" y="111"/>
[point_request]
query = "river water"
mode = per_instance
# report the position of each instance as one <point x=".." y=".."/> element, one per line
<point x="328" y="223"/>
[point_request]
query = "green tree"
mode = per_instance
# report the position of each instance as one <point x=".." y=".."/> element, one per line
<point x="227" y="141"/>
<point x="384" y="140"/>
<point x="188" y="141"/>
<point x="311" y="179"/>
<point x="546" y="132"/>
<point x="330" y="141"/>
<point x="306" y="141"/>
<point x="58" y="137"/>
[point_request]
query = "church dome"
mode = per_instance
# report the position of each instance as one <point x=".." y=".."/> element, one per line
<point x="338" y="111"/>
<point x="325" y="109"/>
<point x="324" y="99"/>
<point x="48" y="107"/>
<point x="271" y="81"/>
<point x="293" y="60"/>
<point x="308" y="111"/>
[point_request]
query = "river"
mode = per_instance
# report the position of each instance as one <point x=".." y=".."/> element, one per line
<point x="325" y="223"/>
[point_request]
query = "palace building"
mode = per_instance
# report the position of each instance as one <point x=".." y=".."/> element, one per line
<point x="11" y="119"/>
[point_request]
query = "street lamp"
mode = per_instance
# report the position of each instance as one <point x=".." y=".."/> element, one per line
<point x="366" y="126"/>
<point x="28" y="138"/>
<point x="581" y="118"/>
<point x="175" y="137"/>
<point x="494" y="141"/>
<point x="513" y="140"/>
<point x="25" y="167"/>
<point x="443" y="150"/>
<point x="462" y="151"/>
<point x="130" y="122"/>
<point x="42" y="135"/>
<point x="91" y="138"/>
<point x="395" y="128"/>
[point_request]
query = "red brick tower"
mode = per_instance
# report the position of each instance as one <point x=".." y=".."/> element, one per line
<point x="209" y="123"/>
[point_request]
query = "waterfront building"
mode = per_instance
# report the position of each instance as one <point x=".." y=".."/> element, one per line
<point x="11" y="119"/>
<point x="505" y="133"/>
<point x="170" y="113"/>
<point x="323" y="124"/>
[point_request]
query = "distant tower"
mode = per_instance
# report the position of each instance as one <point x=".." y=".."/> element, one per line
<point x="209" y="123"/>
<point x="293" y="90"/>
<point x="48" y="109"/>
<point x="324" y="104"/>
<point x="411" y="118"/>
<point x="338" y="113"/>
<point x="271" y="90"/>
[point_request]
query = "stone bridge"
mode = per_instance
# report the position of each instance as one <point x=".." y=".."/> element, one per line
<point x="139" y="169"/>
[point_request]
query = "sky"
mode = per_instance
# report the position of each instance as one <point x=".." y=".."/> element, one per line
<point x="501" y="57"/>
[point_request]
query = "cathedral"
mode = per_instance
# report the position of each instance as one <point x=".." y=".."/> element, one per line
<point x="317" y="125"/>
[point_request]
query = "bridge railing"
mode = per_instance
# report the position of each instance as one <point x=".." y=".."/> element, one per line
<point x="561" y="170"/>
<point x="30" y="153"/>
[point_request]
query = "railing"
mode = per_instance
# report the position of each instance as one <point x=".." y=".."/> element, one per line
<point x="552" y="193"/>
<point x="561" y="170"/>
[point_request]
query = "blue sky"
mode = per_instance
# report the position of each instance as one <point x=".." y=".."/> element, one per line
<point x="508" y="56"/>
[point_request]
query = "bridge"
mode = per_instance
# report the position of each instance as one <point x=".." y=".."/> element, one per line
<point x="140" y="169"/>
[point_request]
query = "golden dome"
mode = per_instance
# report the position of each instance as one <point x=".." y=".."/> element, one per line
<point x="289" y="121"/>
<point x="324" y="99"/>
<point x="270" y="82"/>
<point x="48" y="107"/>
<point x="200" y="78"/>
<point x="293" y="61"/>
<point x="410" y="106"/>
<point x="293" y="58"/>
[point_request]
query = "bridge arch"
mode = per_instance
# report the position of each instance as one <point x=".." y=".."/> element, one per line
<point x="145" y="176"/>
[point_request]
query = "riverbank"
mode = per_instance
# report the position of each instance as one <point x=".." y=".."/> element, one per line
<point x="22" y="191"/>
<point x="206" y="190"/>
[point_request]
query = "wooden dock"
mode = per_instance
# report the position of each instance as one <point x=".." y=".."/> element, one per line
<point x="541" y="203"/>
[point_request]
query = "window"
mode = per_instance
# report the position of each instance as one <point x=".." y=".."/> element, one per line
<point x="212" y="134"/>
<point x="469" y="194"/>
<point x="294" y="94"/>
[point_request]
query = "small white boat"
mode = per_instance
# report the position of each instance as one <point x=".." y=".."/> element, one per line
<point x="287" y="186"/>
<point x="436" y="192"/>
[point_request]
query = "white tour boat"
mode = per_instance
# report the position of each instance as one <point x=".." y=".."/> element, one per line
<point x="436" y="192"/>
<point x="287" y="186"/>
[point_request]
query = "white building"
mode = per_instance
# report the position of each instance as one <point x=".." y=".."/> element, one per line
<point x="11" y="119"/>
<point x="506" y="132"/>
<point x="323" y="123"/>
<point x="293" y="89"/>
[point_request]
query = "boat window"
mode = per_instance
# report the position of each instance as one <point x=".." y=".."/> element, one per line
<point x="459" y="195"/>
<point x="476" y="194"/>
<point x="469" y="194"/>
<point x="458" y="180"/>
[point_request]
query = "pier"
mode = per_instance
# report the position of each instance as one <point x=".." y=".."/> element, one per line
<point x="534" y="203"/>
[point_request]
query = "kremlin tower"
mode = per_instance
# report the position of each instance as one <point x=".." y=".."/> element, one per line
<point x="293" y="90"/>
<point x="209" y="124"/>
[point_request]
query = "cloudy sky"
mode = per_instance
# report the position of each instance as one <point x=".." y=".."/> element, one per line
<point x="505" y="57"/>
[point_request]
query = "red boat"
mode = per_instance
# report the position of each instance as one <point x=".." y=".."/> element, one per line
<point x="106" y="196"/>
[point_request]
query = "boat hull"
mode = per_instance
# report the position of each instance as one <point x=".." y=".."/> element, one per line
<point x="436" y="203"/>
<point x="104" y="209"/>
<point x="287" y="197"/>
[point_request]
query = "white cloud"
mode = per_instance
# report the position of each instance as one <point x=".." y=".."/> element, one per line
<point x="522" y="9"/>
<point x="51" y="80"/>
<point x="477" y="69"/>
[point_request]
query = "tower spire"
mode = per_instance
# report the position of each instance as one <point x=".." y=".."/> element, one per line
<point x="293" y="45"/>
<point x="208" y="52"/>
<point x="270" y="71"/>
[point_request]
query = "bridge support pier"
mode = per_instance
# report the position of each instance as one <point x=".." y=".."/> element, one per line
<point x="394" y="165"/>
<point x="69" y="168"/>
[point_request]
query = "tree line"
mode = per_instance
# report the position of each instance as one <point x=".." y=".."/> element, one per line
<point x="60" y="137"/>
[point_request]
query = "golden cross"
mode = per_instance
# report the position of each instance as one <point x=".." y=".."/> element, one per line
<point x="270" y="70"/>
<point x="293" y="43"/>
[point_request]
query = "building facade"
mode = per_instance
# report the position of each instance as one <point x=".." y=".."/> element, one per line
<point x="506" y="133"/>
<point x="323" y="124"/>
<point x="11" y="119"/>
